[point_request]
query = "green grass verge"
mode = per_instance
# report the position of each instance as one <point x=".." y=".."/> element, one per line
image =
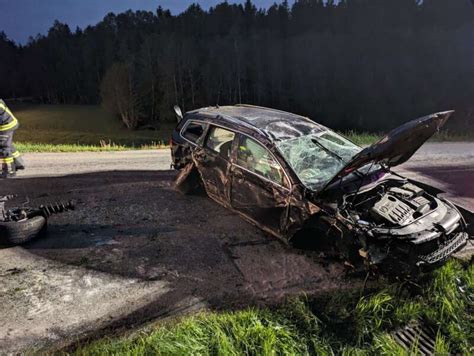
<point x="80" y="125"/>
<point x="43" y="147"/>
<point x="340" y="324"/>
<point x="366" y="138"/>
<point x="362" y="138"/>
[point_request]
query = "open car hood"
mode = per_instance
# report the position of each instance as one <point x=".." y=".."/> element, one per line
<point x="398" y="145"/>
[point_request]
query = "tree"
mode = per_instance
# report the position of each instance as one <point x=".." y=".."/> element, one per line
<point x="8" y="66"/>
<point x="119" y="94"/>
<point x="350" y="64"/>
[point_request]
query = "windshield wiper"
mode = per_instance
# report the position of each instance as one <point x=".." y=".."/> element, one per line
<point x="314" y="140"/>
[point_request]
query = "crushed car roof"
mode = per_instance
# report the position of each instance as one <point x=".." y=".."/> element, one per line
<point x="277" y="125"/>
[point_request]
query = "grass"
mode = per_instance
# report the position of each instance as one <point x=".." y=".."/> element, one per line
<point x="339" y="324"/>
<point x="367" y="138"/>
<point x="71" y="128"/>
<point x="43" y="147"/>
<point x="362" y="138"/>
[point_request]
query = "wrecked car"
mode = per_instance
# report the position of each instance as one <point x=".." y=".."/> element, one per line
<point x="306" y="184"/>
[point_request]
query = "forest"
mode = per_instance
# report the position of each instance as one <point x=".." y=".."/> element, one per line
<point x="350" y="64"/>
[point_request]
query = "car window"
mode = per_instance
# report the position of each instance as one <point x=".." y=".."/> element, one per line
<point x="220" y="141"/>
<point x="256" y="158"/>
<point x="194" y="130"/>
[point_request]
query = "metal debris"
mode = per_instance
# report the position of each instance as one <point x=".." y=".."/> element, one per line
<point x="24" y="213"/>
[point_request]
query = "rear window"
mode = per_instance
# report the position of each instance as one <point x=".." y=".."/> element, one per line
<point x="193" y="131"/>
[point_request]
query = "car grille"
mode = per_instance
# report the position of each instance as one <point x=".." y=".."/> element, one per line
<point x="445" y="250"/>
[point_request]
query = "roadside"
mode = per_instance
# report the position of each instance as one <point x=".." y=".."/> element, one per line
<point x="75" y="148"/>
<point x="61" y="164"/>
<point x="368" y="322"/>
<point x="136" y="251"/>
<point x="74" y="127"/>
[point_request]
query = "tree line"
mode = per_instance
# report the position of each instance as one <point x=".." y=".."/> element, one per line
<point x="350" y="64"/>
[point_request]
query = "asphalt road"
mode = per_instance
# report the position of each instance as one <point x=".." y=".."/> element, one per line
<point x="448" y="166"/>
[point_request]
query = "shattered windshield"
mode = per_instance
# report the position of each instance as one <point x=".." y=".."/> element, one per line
<point x="318" y="157"/>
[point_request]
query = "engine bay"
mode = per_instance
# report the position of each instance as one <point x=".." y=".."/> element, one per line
<point x="397" y="216"/>
<point x="391" y="204"/>
<point x="401" y="206"/>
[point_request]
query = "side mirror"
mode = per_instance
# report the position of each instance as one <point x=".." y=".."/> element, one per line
<point x="178" y="112"/>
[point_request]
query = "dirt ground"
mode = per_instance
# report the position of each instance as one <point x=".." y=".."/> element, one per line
<point x="135" y="250"/>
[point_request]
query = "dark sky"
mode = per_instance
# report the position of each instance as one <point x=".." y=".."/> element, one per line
<point x="20" y="19"/>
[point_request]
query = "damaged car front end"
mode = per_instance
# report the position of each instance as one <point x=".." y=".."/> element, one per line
<point x="399" y="224"/>
<point x="304" y="183"/>
<point x="395" y="220"/>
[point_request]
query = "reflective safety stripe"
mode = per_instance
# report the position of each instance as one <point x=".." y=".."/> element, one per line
<point x="10" y="125"/>
<point x="16" y="154"/>
<point x="6" y="160"/>
<point x="13" y="123"/>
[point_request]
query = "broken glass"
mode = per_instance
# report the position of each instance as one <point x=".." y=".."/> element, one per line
<point x="318" y="157"/>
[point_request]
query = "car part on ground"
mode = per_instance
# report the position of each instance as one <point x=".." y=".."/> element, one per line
<point x="20" y="232"/>
<point x="298" y="180"/>
<point x="19" y="225"/>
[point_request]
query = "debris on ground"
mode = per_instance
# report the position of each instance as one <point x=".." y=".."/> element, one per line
<point x="19" y="225"/>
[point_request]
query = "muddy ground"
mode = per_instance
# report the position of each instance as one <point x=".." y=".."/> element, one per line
<point x="135" y="250"/>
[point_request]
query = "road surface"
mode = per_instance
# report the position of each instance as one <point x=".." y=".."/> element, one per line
<point x="448" y="166"/>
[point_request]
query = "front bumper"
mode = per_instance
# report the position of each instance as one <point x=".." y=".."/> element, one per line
<point x="444" y="251"/>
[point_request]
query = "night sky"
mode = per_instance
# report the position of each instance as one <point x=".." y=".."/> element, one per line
<point x="20" y="19"/>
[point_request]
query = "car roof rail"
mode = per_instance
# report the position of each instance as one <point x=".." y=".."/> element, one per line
<point x="271" y="109"/>
<point x="263" y="107"/>
<point x="243" y="122"/>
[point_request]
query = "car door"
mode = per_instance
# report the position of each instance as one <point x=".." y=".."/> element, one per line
<point x="213" y="162"/>
<point x="259" y="186"/>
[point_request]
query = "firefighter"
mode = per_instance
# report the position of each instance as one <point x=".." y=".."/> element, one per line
<point x="10" y="159"/>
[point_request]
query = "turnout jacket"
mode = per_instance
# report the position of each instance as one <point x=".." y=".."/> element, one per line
<point x="8" y="121"/>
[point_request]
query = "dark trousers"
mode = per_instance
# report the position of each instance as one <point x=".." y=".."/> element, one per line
<point x="7" y="150"/>
<point x="6" y="144"/>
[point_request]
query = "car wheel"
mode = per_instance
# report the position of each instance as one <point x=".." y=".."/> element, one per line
<point x="20" y="232"/>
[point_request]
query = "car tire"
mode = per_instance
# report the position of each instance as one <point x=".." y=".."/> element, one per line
<point x="20" y="232"/>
